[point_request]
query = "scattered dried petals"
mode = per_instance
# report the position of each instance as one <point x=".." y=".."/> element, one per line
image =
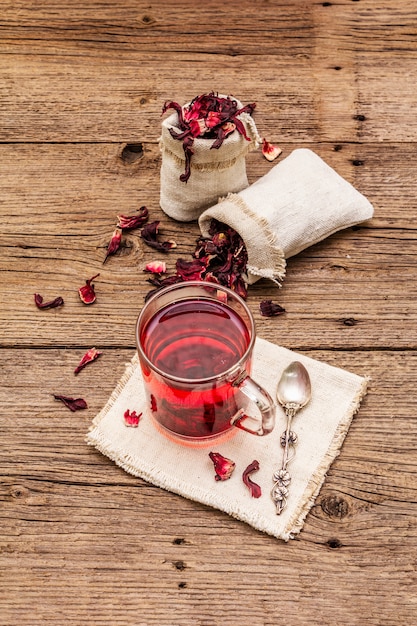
<point x="270" y="151"/>
<point x="74" y="404"/>
<point x="270" y="309"/>
<point x="156" y="267"/>
<point x="221" y="258"/>
<point x="254" y="489"/>
<point x="150" y="233"/>
<point x="87" y="293"/>
<point x="91" y="355"/>
<point x="129" y="222"/>
<point x="222" y="466"/>
<point x="114" y="243"/>
<point x="132" y="418"/>
<point x="52" y="304"/>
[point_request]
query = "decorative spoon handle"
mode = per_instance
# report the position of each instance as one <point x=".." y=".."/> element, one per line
<point x="282" y="477"/>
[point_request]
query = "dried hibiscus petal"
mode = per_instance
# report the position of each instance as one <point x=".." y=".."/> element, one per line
<point x="52" y="304"/>
<point x="254" y="489"/>
<point x="87" y="293"/>
<point x="270" y="309"/>
<point x="190" y="270"/>
<point x="91" y="355"/>
<point x="114" y="243"/>
<point x="156" y="267"/>
<point x="132" y="418"/>
<point x="222" y="466"/>
<point x="270" y="151"/>
<point x="74" y="404"/>
<point x="129" y="222"/>
<point x="150" y="233"/>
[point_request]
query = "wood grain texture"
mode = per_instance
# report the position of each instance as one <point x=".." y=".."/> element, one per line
<point x="81" y="89"/>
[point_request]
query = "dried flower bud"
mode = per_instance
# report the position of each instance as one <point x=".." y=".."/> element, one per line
<point x="270" y="151"/>
<point x="87" y="293"/>
<point x="222" y="466"/>
<point x="270" y="309"/>
<point x="91" y="355"/>
<point x="52" y="304"/>
<point x="74" y="404"/>
<point x="114" y="243"/>
<point x="132" y="418"/>
<point x="254" y="489"/>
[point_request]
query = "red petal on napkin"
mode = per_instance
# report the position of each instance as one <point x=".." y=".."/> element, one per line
<point x="222" y="466"/>
<point x="132" y="418"/>
<point x="254" y="489"/>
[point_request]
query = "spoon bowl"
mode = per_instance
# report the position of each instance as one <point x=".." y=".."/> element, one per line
<point x="294" y="387"/>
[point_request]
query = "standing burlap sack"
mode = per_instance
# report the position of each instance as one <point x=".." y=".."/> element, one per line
<point x="214" y="172"/>
<point x="296" y="204"/>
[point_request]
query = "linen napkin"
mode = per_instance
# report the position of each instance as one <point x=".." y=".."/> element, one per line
<point x="296" y="204"/>
<point x="321" y="427"/>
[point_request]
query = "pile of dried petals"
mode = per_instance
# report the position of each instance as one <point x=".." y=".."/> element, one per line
<point x="209" y="116"/>
<point x="220" y="258"/>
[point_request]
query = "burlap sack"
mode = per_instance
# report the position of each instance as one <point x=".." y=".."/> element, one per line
<point x="296" y="204"/>
<point x="214" y="173"/>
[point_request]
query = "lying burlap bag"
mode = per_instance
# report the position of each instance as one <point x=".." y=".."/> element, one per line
<point x="214" y="172"/>
<point x="296" y="204"/>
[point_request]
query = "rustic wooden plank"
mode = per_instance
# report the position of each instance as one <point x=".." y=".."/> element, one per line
<point x="279" y="27"/>
<point x="82" y="529"/>
<point x="95" y="55"/>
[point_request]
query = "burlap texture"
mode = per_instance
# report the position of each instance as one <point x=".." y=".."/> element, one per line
<point x="299" y="202"/>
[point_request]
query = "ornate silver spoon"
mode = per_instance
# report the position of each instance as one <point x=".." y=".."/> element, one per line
<point x="294" y="392"/>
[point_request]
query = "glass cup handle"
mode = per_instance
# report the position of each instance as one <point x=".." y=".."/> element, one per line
<point x="263" y="401"/>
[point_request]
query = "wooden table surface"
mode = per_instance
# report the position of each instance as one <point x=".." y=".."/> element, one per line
<point x="81" y="90"/>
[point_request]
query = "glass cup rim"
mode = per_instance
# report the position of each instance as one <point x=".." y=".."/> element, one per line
<point x="233" y="371"/>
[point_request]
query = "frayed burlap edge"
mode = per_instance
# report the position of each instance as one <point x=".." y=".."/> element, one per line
<point x="296" y="522"/>
<point x="259" y="234"/>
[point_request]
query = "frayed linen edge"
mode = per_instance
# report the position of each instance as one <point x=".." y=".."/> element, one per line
<point x="296" y="522"/>
<point x="157" y="478"/>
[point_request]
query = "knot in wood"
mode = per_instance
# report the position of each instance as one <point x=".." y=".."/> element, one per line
<point x="335" y="506"/>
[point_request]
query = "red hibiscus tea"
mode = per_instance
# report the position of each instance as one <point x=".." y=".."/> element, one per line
<point x="195" y="341"/>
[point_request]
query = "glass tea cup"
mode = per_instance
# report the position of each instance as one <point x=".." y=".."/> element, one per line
<point x="195" y="341"/>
